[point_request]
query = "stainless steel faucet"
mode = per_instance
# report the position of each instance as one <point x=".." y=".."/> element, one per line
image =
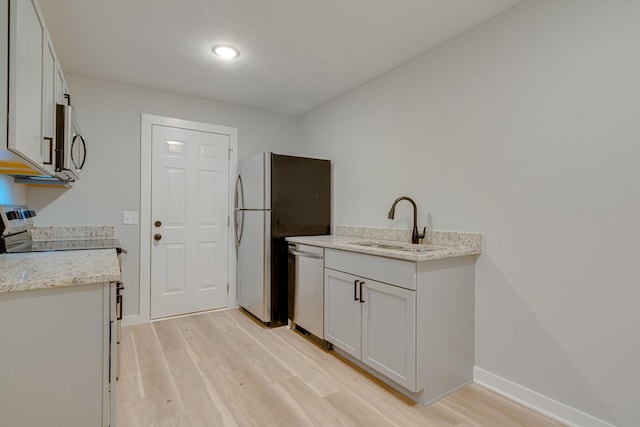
<point x="415" y="236"/>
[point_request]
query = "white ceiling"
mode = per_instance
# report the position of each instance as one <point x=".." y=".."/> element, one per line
<point x="295" y="54"/>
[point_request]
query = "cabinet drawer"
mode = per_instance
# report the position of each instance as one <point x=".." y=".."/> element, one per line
<point x="393" y="271"/>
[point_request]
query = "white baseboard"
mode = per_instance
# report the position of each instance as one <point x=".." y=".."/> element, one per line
<point x="536" y="401"/>
<point x="135" y="319"/>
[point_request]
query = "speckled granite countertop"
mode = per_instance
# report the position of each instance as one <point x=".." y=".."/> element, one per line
<point x="40" y="270"/>
<point x="442" y="244"/>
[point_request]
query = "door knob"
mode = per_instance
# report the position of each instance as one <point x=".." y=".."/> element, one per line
<point x="157" y="236"/>
<point x="157" y="223"/>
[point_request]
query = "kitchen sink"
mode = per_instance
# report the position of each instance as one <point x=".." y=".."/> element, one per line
<point x="418" y="250"/>
<point x="396" y="247"/>
<point x="378" y="245"/>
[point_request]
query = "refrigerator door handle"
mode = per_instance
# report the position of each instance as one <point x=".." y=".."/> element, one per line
<point x="239" y="223"/>
<point x="238" y="203"/>
<point x="239" y="195"/>
<point x="235" y="194"/>
<point x="235" y="228"/>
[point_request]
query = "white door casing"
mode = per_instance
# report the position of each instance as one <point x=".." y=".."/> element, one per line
<point x="204" y="221"/>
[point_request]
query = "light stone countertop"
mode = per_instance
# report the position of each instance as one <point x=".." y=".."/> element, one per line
<point x="42" y="270"/>
<point x="449" y="244"/>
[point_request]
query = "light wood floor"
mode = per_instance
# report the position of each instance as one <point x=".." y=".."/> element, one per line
<point x="224" y="369"/>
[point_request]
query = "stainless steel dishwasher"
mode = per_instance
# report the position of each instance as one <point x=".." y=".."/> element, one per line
<point x="306" y="288"/>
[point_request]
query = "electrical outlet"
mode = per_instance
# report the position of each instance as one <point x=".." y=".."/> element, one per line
<point x="130" y="217"/>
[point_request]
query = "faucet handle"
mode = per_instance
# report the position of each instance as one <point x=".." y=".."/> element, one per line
<point x="424" y="233"/>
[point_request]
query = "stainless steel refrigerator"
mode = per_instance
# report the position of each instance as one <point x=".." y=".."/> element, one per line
<point x="276" y="196"/>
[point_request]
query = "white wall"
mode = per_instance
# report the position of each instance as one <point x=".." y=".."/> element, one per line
<point x="11" y="193"/>
<point x="525" y="129"/>
<point x="109" y="117"/>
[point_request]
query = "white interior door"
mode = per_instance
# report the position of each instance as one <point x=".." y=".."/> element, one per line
<point x="189" y="205"/>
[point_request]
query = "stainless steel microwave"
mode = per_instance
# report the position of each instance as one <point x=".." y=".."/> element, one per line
<point x="71" y="148"/>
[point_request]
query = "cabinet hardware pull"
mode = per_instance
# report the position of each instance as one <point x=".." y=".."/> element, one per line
<point x="118" y="307"/>
<point x="361" y="283"/>
<point x="119" y="299"/>
<point x="355" y="290"/>
<point x="50" y="162"/>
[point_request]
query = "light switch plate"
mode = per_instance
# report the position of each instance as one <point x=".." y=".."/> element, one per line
<point x="130" y="217"/>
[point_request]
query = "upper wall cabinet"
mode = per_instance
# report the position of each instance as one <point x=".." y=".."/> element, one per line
<point x="49" y="105"/>
<point x="61" y="85"/>
<point x="27" y="66"/>
<point x="36" y="85"/>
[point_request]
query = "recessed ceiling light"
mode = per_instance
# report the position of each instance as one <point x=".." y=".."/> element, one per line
<point x="225" y="51"/>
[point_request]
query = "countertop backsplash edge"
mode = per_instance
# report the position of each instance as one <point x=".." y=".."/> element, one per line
<point x="75" y="232"/>
<point x="433" y="237"/>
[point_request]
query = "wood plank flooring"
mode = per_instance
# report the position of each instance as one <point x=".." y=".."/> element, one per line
<point x="224" y="369"/>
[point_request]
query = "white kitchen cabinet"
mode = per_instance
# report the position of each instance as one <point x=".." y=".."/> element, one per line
<point x="373" y="322"/>
<point x="36" y="84"/>
<point x="55" y="365"/>
<point x="389" y="331"/>
<point x="414" y="327"/>
<point x="61" y="86"/>
<point x="342" y="312"/>
<point x="49" y="106"/>
<point x="27" y="38"/>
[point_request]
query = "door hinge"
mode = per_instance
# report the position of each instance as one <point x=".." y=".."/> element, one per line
<point x="228" y="221"/>
<point x="229" y="153"/>
<point x="227" y="289"/>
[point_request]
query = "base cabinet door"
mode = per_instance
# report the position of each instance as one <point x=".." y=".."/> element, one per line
<point x="389" y="332"/>
<point x="342" y="315"/>
<point x="54" y="357"/>
<point x="415" y="323"/>
<point x="373" y="322"/>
